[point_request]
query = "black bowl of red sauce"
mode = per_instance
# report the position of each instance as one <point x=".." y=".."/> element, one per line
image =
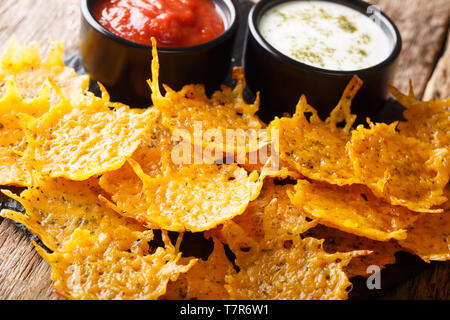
<point x="195" y="41"/>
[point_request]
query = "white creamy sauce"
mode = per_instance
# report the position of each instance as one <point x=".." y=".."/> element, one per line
<point x="325" y="35"/>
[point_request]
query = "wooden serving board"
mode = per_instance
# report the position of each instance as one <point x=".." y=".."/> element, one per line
<point x="425" y="60"/>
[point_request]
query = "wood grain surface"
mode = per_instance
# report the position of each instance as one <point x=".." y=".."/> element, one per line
<point x="425" y="60"/>
<point x="439" y="83"/>
<point x="423" y="25"/>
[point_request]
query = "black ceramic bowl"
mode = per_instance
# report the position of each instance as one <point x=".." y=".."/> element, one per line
<point x="123" y="66"/>
<point x="281" y="80"/>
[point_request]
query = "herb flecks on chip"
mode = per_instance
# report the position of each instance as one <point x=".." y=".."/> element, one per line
<point x="123" y="185"/>
<point x="226" y="110"/>
<point x="352" y="209"/>
<point x="382" y="253"/>
<point x="195" y="197"/>
<point x="115" y="264"/>
<point x="205" y="280"/>
<point x="402" y="170"/>
<point x="55" y="208"/>
<point x="429" y="237"/>
<point x="78" y="141"/>
<point x="316" y="149"/>
<point x="285" y="216"/>
<point x="428" y="121"/>
<point x="284" y="267"/>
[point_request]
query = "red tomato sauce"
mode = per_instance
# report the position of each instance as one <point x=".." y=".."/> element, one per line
<point x="174" y="23"/>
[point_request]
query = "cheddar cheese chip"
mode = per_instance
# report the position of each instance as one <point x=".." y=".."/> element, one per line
<point x="381" y="253"/>
<point x="399" y="169"/>
<point x="194" y="198"/>
<point x="153" y="160"/>
<point x="280" y="268"/>
<point x="24" y="66"/>
<point x="14" y="169"/>
<point x="257" y="160"/>
<point x="81" y="141"/>
<point x="55" y="208"/>
<point x="429" y="237"/>
<point x="117" y="264"/>
<point x="284" y="216"/>
<point x="226" y="111"/>
<point x="428" y="121"/>
<point x="205" y="280"/>
<point x="124" y="186"/>
<point x="316" y="149"/>
<point x="353" y="209"/>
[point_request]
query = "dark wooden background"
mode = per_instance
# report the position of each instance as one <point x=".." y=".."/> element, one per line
<point x="425" y="60"/>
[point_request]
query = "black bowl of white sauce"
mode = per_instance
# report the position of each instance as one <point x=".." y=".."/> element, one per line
<point x="314" y="48"/>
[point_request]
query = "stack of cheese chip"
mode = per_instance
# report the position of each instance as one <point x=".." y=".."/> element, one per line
<point x="101" y="180"/>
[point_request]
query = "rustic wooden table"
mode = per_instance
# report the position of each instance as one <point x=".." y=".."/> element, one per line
<point x="424" y="26"/>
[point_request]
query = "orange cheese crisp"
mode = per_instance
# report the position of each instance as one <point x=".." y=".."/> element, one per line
<point x="14" y="169"/>
<point x="124" y="186"/>
<point x="192" y="110"/>
<point x="194" y="198"/>
<point x="24" y="66"/>
<point x="206" y="279"/>
<point x="429" y="237"/>
<point x="285" y="216"/>
<point x="382" y="253"/>
<point x="428" y="121"/>
<point x="81" y="141"/>
<point x="316" y="149"/>
<point x="399" y="169"/>
<point x="114" y="264"/>
<point x="55" y="208"/>
<point x="353" y="209"/>
<point x="282" y="265"/>
<point x="284" y="268"/>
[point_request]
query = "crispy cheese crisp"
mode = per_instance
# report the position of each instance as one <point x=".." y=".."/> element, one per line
<point x="428" y="121"/>
<point x="316" y="149"/>
<point x="257" y="160"/>
<point x="399" y="169"/>
<point x="14" y="169"/>
<point x="193" y="198"/>
<point x="114" y="264"/>
<point x="80" y="141"/>
<point x="284" y="216"/>
<point x="281" y="268"/>
<point x="205" y="280"/>
<point x="353" y="209"/>
<point x="55" y="208"/>
<point x="282" y="172"/>
<point x="123" y="185"/>
<point x="381" y="253"/>
<point x="161" y="194"/>
<point x="429" y="237"/>
<point x="24" y="66"/>
<point x="190" y="109"/>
